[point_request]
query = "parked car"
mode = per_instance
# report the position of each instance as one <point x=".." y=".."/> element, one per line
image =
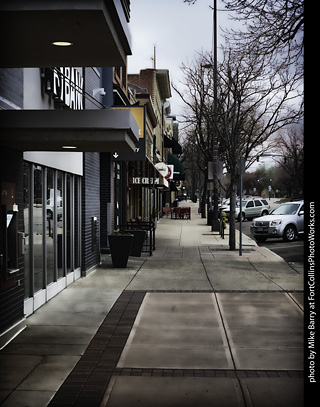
<point x="250" y="209"/>
<point x="286" y="221"/>
<point x="50" y="207"/>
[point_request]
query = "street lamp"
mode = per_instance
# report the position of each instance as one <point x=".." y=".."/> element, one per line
<point x="215" y="225"/>
<point x="215" y="147"/>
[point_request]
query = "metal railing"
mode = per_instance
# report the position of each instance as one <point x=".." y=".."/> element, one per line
<point x="149" y="244"/>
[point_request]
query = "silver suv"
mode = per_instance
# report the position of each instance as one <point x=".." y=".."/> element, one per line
<point x="286" y="221"/>
<point x="251" y="208"/>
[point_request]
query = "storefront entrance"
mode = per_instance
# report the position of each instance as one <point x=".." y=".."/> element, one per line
<point x="52" y="232"/>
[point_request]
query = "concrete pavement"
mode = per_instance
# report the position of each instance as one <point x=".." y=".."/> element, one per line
<point x="194" y="324"/>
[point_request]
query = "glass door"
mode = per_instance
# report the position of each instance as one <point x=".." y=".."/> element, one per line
<point x="59" y="217"/>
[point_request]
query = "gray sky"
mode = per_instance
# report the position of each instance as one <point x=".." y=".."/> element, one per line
<point x="177" y="29"/>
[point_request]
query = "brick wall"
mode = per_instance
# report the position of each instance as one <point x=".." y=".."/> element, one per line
<point x="92" y="81"/>
<point x="11" y="290"/>
<point x="105" y="198"/>
<point x="11" y="170"/>
<point x="11" y="88"/>
<point x="90" y="185"/>
<point x="90" y="209"/>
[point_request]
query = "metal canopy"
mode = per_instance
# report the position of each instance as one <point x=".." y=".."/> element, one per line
<point x="97" y="29"/>
<point x="105" y="130"/>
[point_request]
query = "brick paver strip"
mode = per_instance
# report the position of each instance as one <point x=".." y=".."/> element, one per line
<point x="88" y="381"/>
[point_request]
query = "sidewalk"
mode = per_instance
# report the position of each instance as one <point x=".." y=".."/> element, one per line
<point x="194" y="324"/>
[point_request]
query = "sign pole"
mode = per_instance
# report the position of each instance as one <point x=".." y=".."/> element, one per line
<point x="242" y="169"/>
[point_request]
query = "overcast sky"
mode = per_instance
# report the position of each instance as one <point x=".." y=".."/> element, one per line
<point x="177" y="29"/>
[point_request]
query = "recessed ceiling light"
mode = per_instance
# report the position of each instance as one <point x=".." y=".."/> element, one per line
<point x="62" y="43"/>
<point x="69" y="147"/>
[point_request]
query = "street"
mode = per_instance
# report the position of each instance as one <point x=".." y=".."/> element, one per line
<point x="291" y="252"/>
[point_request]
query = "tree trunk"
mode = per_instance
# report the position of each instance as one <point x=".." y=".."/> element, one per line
<point x="204" y="196"/>
<point x="203" y="202"/>
<point x="232" y="218"/>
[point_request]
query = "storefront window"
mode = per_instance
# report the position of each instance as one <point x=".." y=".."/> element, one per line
<point x="26" y="207"/>
<point x="69" y="223"/>
<point x="50" y="226"/>
<point x="77" y="221"/>
<point x="52" y="219"/>
<point x="37" y="229"/>
<point x="60" y="220"/>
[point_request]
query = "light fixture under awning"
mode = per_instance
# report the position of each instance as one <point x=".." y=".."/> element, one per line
<point x="104" y="130"/>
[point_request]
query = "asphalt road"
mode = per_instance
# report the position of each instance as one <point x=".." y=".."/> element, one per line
<point x="291" y="252"/>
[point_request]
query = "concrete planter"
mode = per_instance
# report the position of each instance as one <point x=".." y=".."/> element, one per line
<point x="120" y="246"/>
<point x="137" y="244"/>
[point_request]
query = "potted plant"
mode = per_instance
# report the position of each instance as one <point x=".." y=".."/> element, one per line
<point x="120" y="245"/>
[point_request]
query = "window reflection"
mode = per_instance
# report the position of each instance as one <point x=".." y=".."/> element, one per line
<point x="37" y="229"/>
<point x="50" y="226"/>
<point x="59" y="218"/>
<point x="52" y="223"/>
<point x="26" y="207"/>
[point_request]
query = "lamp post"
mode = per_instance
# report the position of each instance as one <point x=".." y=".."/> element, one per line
<point x="215" y="152"/>
<point x="215" y="149"/>
<point x="215" y="225"/>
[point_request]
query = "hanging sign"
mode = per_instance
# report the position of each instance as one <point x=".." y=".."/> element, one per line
<point x="162" y="168"/>
<point x="169" y="176"/>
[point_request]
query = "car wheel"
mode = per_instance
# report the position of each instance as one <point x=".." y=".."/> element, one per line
<point x="289" y="233"/>
<point x="243" y="217"/>
<point x="264" y="213"/>
<point x="260" y="239"/>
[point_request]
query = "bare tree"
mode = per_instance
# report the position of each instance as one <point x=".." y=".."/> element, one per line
<point x="271" y="28"/>
<point x="196" y="96"/>
<point x="195" y="169"/>
<point x="253" y="103"/>
<point x="292" y="148"/>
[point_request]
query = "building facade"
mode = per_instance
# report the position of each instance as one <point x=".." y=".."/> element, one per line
<point x="56" y="124"/>
<point x="80" y="141"/>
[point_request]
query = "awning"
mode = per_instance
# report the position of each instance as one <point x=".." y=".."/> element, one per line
<point x="98" y="31"/>
<point x="178" y="173"/>
<point x="173" y="144"/>
<point x="105" y="130"/>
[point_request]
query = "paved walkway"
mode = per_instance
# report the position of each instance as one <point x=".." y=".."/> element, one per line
<point x="192" y="325"/>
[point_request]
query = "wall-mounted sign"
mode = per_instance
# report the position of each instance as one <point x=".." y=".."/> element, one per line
<point x="145" y="181"/>
<point x="138" y="112"/>
<point x="66" y="86"/>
